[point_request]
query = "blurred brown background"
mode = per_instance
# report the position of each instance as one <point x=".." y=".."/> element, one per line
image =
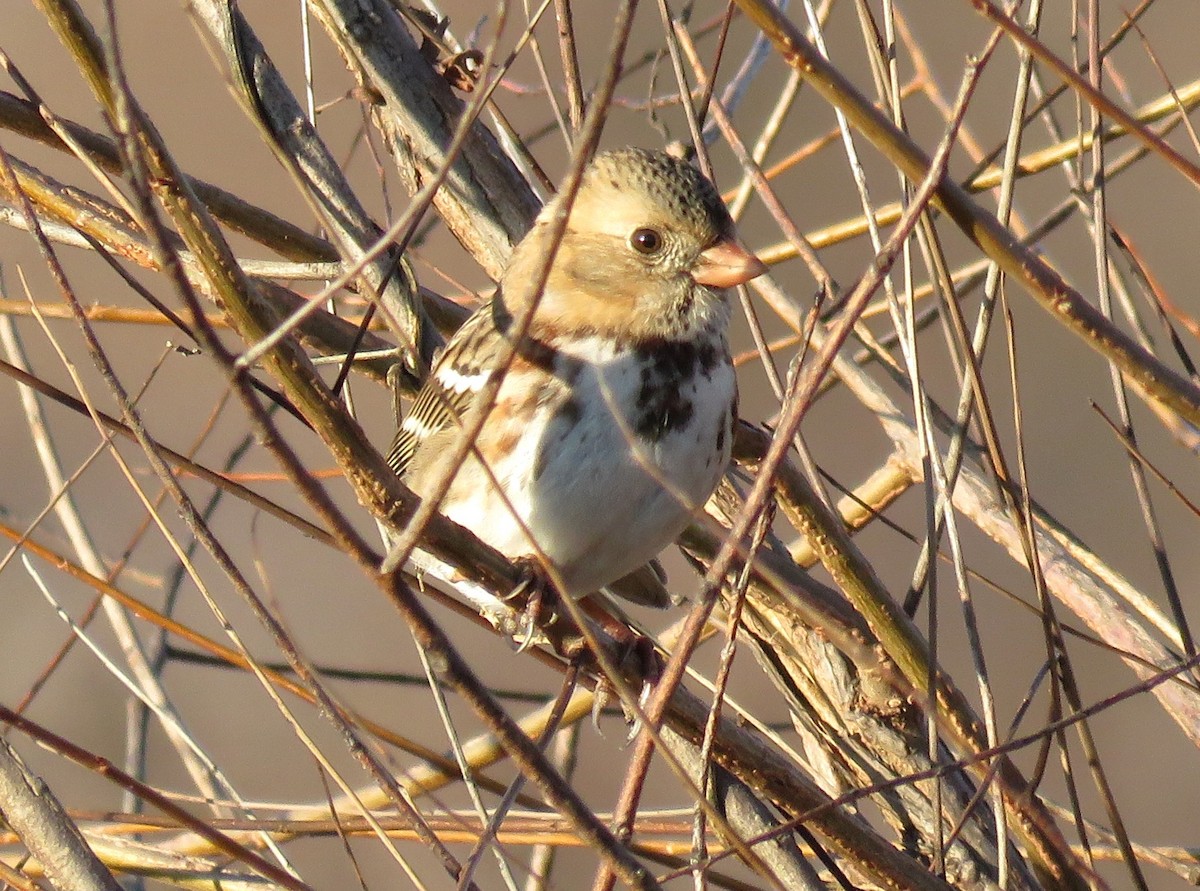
<point x="1076" y="468"/>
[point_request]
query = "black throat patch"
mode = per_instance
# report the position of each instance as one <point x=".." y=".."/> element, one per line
<point x="667" y="370"/>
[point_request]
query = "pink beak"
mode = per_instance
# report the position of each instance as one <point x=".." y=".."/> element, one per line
<point x="726" y="264"/>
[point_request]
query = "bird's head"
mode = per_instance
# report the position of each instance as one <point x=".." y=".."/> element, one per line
<point x="648" y="248"/>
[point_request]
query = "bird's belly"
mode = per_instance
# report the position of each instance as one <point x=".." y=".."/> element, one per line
<point x="597" y="506"/>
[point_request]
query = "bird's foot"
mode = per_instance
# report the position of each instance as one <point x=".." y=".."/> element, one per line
<point x="634" y="653"/>
<point x="648" y="668"/>
<point x="540" y="601"/>
<point x="634" y="657"/>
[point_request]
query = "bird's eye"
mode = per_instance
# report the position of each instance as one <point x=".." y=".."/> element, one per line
<point x="646" y="241"/>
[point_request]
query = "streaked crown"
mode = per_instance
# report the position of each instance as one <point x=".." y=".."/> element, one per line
<point x="679" y="188"/>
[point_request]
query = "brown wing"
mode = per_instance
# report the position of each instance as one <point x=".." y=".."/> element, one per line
<point x="459" y="373"/>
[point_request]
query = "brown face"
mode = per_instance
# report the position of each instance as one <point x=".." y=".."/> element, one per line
<point x="646" y="239"/>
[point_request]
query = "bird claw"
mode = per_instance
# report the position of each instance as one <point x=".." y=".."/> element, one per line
<point x="540" y="598"/>
<point x="634" y="717"/>
<point x="635" y="727"/>
<point x="600" y="699"/>
<point x="638" y="651"/>
<point x="525" y="634"/>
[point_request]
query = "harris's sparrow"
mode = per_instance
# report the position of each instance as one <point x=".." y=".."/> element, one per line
<point x="612" y="425"/>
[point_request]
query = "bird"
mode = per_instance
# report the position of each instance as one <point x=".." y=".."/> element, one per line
<point x="612" y="425"/>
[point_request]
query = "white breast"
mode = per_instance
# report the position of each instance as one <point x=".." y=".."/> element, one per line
<point x="599" y="497"/>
